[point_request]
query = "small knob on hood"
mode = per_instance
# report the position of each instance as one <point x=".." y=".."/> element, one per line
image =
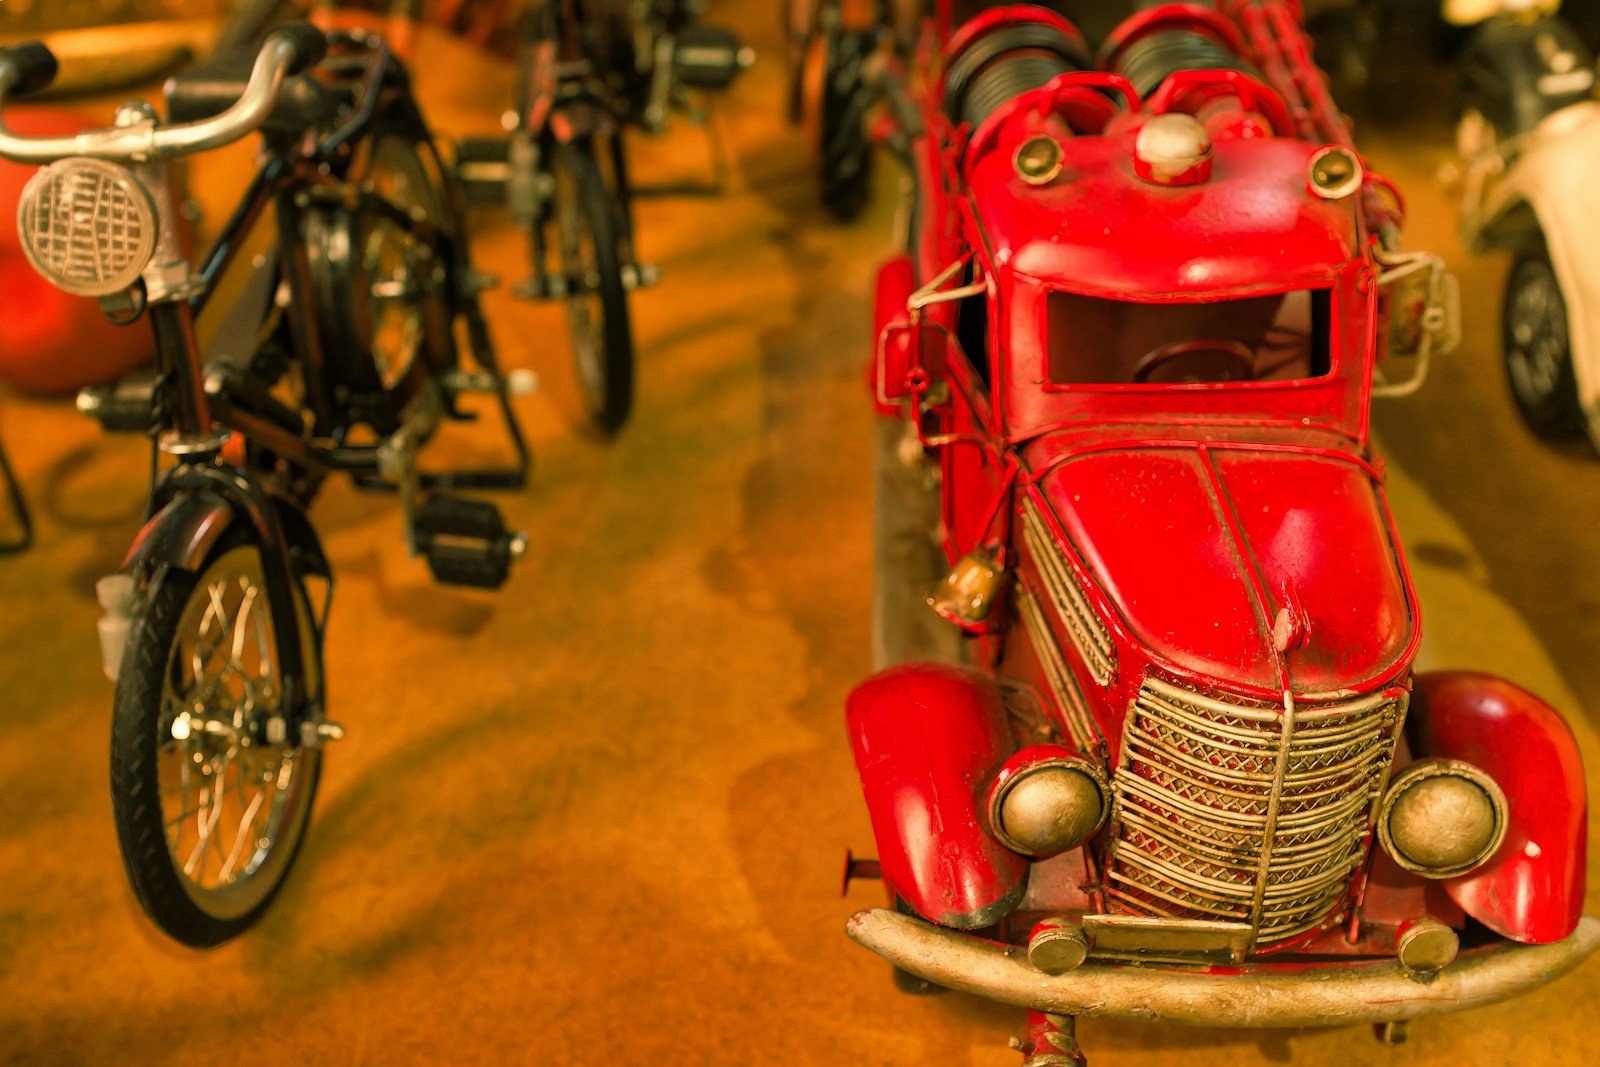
<point x="1172" y="149"/>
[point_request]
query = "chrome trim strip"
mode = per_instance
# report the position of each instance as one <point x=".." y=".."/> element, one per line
<point x="1089" y="634"/>
<point x="1069" y="697"/>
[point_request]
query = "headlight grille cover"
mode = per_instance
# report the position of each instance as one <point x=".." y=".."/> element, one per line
<point x="87" y="225"/>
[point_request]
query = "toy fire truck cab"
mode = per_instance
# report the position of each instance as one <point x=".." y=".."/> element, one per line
<point x="1187" y="772"/>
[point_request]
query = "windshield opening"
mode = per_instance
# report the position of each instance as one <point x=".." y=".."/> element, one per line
<point x="1279" y="338"/>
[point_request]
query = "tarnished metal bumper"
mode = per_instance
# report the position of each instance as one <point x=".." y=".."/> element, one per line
<point x="1326" y="995"/>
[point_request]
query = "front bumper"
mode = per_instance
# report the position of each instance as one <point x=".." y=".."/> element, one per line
<point x="1261" y="996"/>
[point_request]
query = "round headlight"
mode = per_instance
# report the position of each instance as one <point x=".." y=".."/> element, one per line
<point x="1046" y="800"/>
<point x="1442" y="818"/>
<point x="1336" y="172"/>
<point x="88" y="226"/>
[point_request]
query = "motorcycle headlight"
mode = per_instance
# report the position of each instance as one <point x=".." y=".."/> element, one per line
<point x="1442" y="818"/>
<point x="88" y="226"/>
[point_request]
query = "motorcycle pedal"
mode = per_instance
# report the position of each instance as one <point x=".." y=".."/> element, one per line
<point x="476" y="282"/>
<point x="519" y="382"/>
<point x="541" y="287"/>
<point x="483" y="168"/>
<point x="466" y="542"/>
<point x="318" y="734"/>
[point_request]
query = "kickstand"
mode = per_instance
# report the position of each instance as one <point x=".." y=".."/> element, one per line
<point x="494" y="381"/>
<point x="19" y="507"/>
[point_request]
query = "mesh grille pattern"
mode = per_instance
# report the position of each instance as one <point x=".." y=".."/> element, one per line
<point x="87" y="226"/>
<point x="1194" y="821"/>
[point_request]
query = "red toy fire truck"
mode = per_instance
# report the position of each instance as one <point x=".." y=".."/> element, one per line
<point x="1179" y="766"/>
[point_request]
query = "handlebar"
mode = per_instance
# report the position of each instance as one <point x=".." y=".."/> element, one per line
<point x="29" y="67"/>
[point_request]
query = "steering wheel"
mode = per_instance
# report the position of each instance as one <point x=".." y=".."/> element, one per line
<point x="1238" y="362"/>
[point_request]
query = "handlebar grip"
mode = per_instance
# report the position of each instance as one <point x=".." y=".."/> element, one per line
<point x="35" y="66"/>
<point x="310" y="45"/>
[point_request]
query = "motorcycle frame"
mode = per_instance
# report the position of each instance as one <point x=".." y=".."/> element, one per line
<point x="213" y="484"/>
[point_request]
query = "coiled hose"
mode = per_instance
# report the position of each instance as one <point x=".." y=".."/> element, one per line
<point x="1148" y="61"/>
<point x="1004" y="63"/>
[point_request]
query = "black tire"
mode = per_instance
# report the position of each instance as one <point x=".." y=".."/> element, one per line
<point x="383" y="293"/>
<point x="846" y="156"/>
<point x="588" y="243"/>
<point x="144" y="734"/>
<point x="1538" y="348"/>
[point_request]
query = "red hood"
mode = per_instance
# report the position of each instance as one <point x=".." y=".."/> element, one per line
<point x="1200" y="550"/>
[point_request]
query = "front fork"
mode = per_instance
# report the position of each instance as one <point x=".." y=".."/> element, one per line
<point x="201" y="501"/>
<point x="530" y="198"/>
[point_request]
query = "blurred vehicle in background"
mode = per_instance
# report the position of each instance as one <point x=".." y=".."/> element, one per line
<point x="837" y="49"/>
<point x="1529" y="142"/>
<point x="588" y="71"/>
<point x="108" y="44"/>
<point x="1367" y="44"/>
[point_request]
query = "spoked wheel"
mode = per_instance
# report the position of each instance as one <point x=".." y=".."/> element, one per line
<point x="589" y="243"/>
<point x="1538" y="347"/>
<point x="382" y="273"/>
<point x="211" y="792"/>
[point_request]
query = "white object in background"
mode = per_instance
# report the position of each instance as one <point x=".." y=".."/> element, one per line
<point x="1472" y="12"/>
<point x="115" y="593"/>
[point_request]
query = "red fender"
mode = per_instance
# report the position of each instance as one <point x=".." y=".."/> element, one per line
<point x="928" y="741"/>
<point x="1531" y="890"/>
<point x="891" y="355"/>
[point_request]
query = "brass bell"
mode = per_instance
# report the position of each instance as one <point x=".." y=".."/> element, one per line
<point x="966" y="595"/>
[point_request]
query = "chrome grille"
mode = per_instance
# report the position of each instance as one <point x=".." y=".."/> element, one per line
<point x="1246" y="812"/>
<point x="1072" y="605"/>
